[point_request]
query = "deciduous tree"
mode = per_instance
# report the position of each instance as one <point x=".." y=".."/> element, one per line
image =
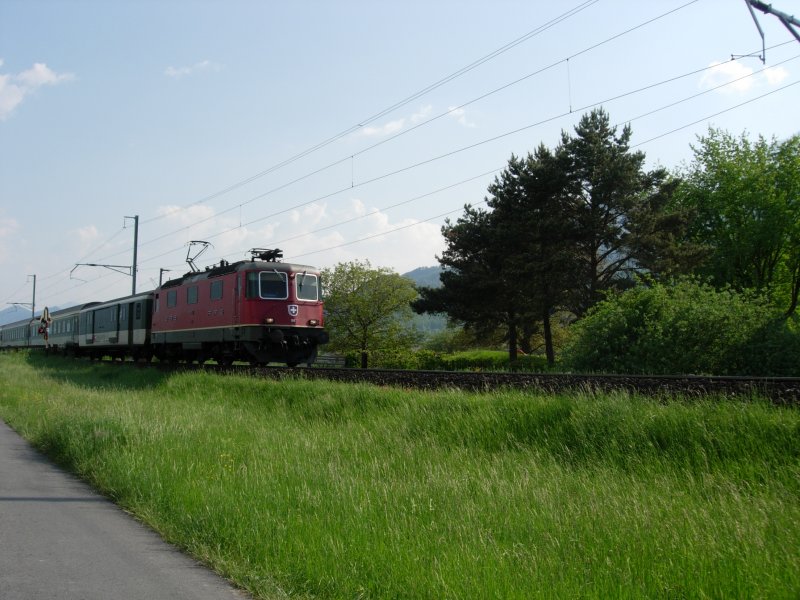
<point x="367" y="308"/>
<point x="746" y="199"/>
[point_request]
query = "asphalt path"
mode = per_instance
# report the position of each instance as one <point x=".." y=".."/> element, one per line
<point x="59" y="539"/>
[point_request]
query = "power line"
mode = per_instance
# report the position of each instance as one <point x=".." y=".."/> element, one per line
<point x="407" y="226"/>
<point x="424" y="123"/>
<point x="364" y="122"/>
<point x="493" y="139"/>
<point x="402" y="227"/>
<point x="716" y="114"/>
<point x="435" y="158"/>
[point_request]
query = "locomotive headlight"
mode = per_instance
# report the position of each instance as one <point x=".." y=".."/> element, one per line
<point x="313" y="322"/>
<point x="269" y="320"/>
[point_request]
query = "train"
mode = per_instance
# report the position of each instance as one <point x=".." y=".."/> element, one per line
<point x="259" y="311"/>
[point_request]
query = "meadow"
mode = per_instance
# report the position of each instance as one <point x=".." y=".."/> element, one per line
<point x="298" y="489"/>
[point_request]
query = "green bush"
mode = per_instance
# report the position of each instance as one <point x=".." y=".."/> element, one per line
<point x="685" y="327"/>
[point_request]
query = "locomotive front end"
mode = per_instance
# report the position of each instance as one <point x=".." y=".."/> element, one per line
<point x="284" y="301"/>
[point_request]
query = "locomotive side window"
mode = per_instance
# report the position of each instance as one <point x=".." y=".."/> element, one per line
<point x="251" y="287"/>
<point x="307" y="287"/>
<point x="191" y="295"/>
<point x="172" y="298"/>
<point x="216" y="290"/>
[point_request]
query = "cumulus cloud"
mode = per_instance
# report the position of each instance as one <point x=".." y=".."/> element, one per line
<point x="14" y="88"/>
<point x="385" y="129"/>
<point x="460" y="115"/>
<point x="199" y="67"/>
<point x="423" y="113"/>
<point x="320" y="234"/>
<point x="775" y="75"/>
<point x="394" y="126"/>
<point x="739" y="77"/>
<point x="357" y="232"/>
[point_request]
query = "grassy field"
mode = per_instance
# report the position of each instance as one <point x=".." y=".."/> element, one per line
<point x="301" y="489"/>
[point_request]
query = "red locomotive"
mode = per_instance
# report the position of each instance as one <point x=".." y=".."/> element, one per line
<point x="259" y="310"/>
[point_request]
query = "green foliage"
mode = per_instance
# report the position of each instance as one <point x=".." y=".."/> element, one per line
<point x="564" y="226"/>
<point x="321" y="490"/>
<point x="367" y="308"/>
<point x="745" y="197"/>
<point x="685" y="327"/>
<point x="621" y="217"/>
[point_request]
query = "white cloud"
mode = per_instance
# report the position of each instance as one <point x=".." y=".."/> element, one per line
<point x="386" y="129"/>
<point x="40" y="74"/>
<point x="460" y="115"/>
<point x="318" y="234"/>
<point x="15" y="88"/>
<point x="775" y="75"/>
<point x="394" y="126"/>
<point x="199" y="67"/>
<point x="87" y="234"/>
<point x="422" y="114"/>
<point x="402" y="244"/>
<point x="739" y="77"/>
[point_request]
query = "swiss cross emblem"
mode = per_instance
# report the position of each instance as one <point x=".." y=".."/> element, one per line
<point x="293" y="310"/>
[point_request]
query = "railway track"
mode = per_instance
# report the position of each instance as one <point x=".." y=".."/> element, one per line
<point x="779" y="390"/>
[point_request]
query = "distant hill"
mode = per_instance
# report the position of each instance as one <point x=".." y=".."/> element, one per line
<point x="19" y="313"/>
<point x="14" y="313"/>
<point x="425" y="276"/>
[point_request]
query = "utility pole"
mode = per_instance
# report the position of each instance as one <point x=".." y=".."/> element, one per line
<point x="131" y="270"/>
<point x="161" y="275"/>
<point x="33" y="299"/>
<point x="135" y="251"/>
<point x="32" y="303"/>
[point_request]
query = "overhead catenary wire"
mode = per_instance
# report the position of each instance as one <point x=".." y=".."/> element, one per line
<point x="640" y="116"/>
<point x="409" y="167"/>
<point x="404" y="132"/>
<point x="483" y="96"/>
<point x="439" y="216"/>
<point x="416" y="95"/>
<point x="495" y="138"/>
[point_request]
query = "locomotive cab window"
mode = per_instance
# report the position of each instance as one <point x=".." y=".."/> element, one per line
<point x="307" y="287"/>
<point x="269" y="285"/>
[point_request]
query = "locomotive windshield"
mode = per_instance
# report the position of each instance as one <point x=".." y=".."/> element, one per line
<point x="307" y="288"/>
<point x="269" y="285"/>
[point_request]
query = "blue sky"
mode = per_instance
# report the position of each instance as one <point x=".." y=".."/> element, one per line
<point x="198" y="115"/>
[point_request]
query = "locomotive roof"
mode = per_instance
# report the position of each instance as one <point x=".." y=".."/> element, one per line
<point x="244" y="265"/>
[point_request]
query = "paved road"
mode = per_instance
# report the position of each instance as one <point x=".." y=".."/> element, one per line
<point x="61" y="540"/>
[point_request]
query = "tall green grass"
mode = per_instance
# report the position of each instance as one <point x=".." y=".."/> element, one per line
<point x="307" y="489"/>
